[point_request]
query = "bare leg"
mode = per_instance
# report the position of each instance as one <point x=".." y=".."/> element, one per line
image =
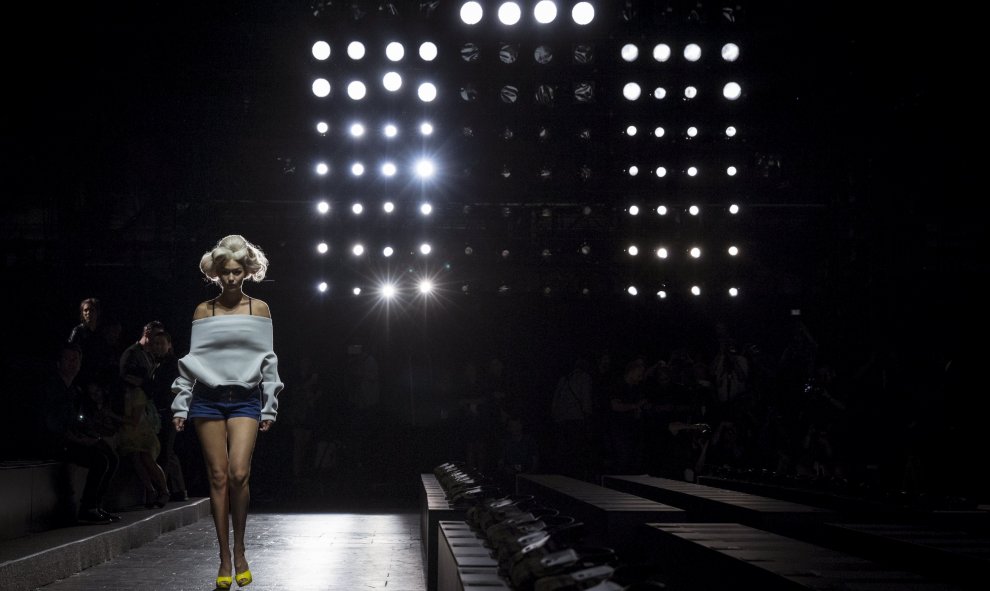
<point x="242" y="434"/>
<point x="213" y="439"/>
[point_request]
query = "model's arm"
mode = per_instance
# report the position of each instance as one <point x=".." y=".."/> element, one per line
<point x="182" y="386"/>
<point x="271" y="384"/>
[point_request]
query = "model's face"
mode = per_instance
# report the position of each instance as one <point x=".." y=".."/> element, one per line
<point x="231" y="275"/>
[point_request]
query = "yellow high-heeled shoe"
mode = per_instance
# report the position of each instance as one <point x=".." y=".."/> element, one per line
<point x="224" y="582"/>
<point x="244" y="578"/>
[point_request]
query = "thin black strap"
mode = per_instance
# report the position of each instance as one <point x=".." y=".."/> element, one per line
<point x="214" y="302"/>
<point x="250" y="313"/>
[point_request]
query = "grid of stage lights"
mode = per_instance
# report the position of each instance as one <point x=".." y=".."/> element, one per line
<point x="382" y="107"/>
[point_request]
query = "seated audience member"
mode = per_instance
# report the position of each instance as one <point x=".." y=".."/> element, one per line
<point x="71" y="436"/>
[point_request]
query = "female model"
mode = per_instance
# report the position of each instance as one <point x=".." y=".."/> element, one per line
<point x="229" y="385"/>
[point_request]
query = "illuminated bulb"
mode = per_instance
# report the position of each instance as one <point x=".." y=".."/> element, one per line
<point x="733" y="251"/>
<point x="425" y="248"/>
<point x="696" y="252"/>
<point x="545" y="12"/>
<point x="356" y="90"/>
<point x="731" y="171"/>
<point x="692" y="171"/>
<point x="321" y="87"/>
<point x="631" y="91"/>
<point x="356" y="291"/>
<point x="631" y="130"/>
<point x="389" y="207"/>
<point x="395" y="51"/>
<point x="388" y="251"/>
<point x="633" y="170"/>
<point x="357" y="169"/>
<point x="732" y="91"/>
<point x="662" y="209"/>
<point x="427" y="92"/>
<point x="358" y="250"/>
<point x="322" y="248"/>
<point x="388" y="169"/>
<point x="392" y="81"/>
<point x="391" y="130"/>
<point x="661" y="253"/>
<point x="633" y="250"/>
<point x="583" y="13"/>
<point x="633" y="210"/>
<point x="357" y="208"/>
<point x="629" y="52"/>
<point x="692" y="52"/>
<point x="509" y="13"/>
<point x="730" y="52"/>
<point x="631" y="290"/>
<point x="694" y="210"/>
<point x="730" y="131"/>
<point x="322" y="127"/>
<point x="323" y="207"/>
<point x="696" y="290"/>
<point x="425" y="286"/>
<point x="733" y="291"/>
<point x="322" y="168"/>
<point x="388" y="290"/>
<point x="426" y="209"/>
<point x="357" y="130"/>
<point x="659" y="132"/>
<point x="355" y="50"/>
<point x="426" y="128"/>
<point x="323" y="286"/>
<point x="661" y="171"/>
<point x="661" y="52"/>
<point x="428" y="51"/>
<point x="321" y="50"/>
<point x="733" y="209"/>
<point x="471" y="13"/>
<point x="662" y="294"/>
<point x="660" y="93"/>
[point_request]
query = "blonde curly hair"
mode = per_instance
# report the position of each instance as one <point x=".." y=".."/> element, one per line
<point x="234" y="247"/>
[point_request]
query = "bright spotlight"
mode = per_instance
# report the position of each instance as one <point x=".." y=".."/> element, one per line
<point x="692" y="171"/>
<point x="690" y="92"/>
<point x="696" y="290"/>
<point x="694" y="210"/>
<point x="730" y="131"/>
<point x="631" y="91"/>
<point x="425" y="286"/>
<point x="426" y="128"/>
<point x="322" y="286"/>
<point x="662" y="253"/>
<point x="355" y="50"/>
<point x="427" y="92"/>
<point x="356" y="90"/>
<point x="733" y="292"/>
<point x="661" y="171"/>
<point x="357" y="250"/>
<point x="732" y="91"/>
<point x="321" y="50"/>
<point x="509" y="13"/>
<point x="426" y="209"/>
<point x="695" y="252"/>
<point x="395" y="51"/>
<point x="692" y="131"/>
<point x="391" y="130"/>
<point x="357" y="208"/>
<point x="428" y="51"/>
<point x="389" y="207"/>
<point x="545" y="12"/>
<point x="633" y="250"/>
<point x="424" y="169"/>
<point x="733" y="251"/>
<point x="662" y="294"/>
<point x="356" y="291"/>
<point x="631" y="290"/>
<point x="692" y="52"/>
<point x="629" y="52"/>
<point x="659" y="131"/>
<point x="322" y="168"/>
<point x="323" y="207"/>
<point x="660" y="93"/>
<point x="388" y="251"/>
<point x="425" y="248"/>
<point x="733" y="209"/>
<point x="633" y="170"/>
<point x="730" y="52"/>
<point x="321" y="87"/>
<point x="631" y="130"/>
<point x="357" y="130"/>
<point x="357" y="169"/>
<point x="388" y="291"/>
<point x="388" y="169"/>
<point x="471" y="13"/>
<point x="731" y="171"/>
<point x="583" y="13"/>
<point x="662" y="209"/>
<point x="392" y="81"/>
<point x="585" y="249"/>
<point x="633" y="210"/>
<point x="661" y="52"/>
<point x="322" y="248"/>
<point x="322" y="127"/>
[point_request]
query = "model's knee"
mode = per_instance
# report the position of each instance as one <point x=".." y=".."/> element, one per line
<point x="239" y="476"/>
<point x="218" y="479"/>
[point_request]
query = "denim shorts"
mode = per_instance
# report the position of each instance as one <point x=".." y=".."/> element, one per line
<point x="225" y="402"/>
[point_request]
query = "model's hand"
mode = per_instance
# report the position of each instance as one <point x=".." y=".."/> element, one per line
<point x="265" y="425"/>
<point x="179" y="422"/>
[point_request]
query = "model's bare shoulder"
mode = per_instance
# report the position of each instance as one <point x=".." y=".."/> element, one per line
<point x="202" y="310"/>
<point x="261" y="309"/>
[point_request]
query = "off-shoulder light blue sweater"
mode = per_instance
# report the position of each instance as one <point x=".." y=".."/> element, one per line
<point x="229" y="350"/>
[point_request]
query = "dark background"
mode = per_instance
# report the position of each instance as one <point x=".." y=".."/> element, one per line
<point x="136" y="135"/>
